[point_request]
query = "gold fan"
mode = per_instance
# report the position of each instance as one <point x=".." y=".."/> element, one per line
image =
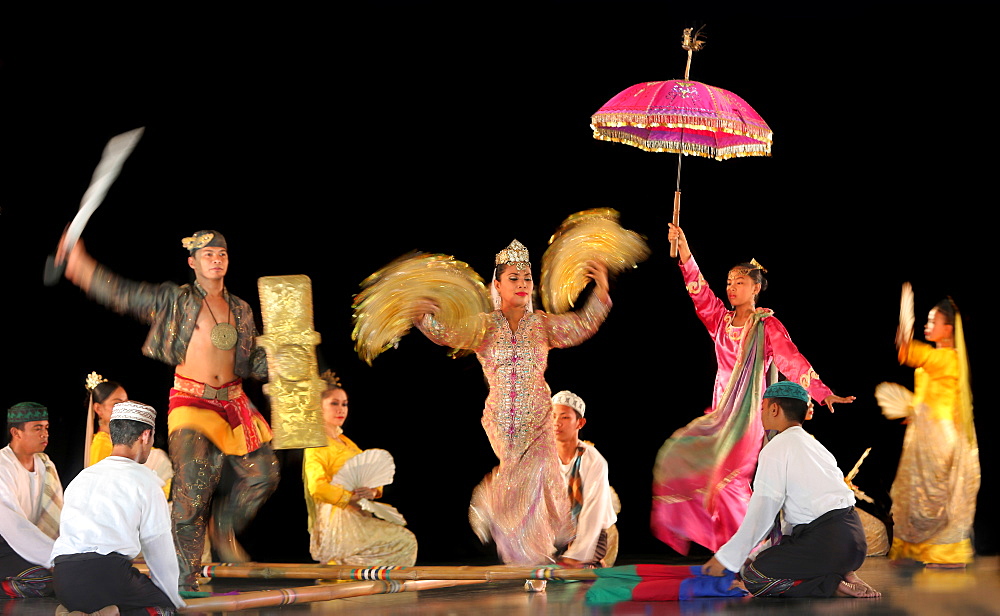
<point x="392" y="297"/>
<point x="590" y="235"/>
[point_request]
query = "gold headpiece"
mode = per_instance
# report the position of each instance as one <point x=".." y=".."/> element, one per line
<point x="331" y="378"/>
<point x="516" y="253"/>
<point x="199" y="240"/>
<point x="743" y="271"/>
<point x="93" y="380"/>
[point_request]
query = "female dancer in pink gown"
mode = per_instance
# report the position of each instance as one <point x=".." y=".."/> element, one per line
<point x="703" y="472"/>
<point x="523" y="504"/>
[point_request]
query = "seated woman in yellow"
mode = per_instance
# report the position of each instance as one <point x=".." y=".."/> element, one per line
<point x="104" y="394"/>
<point x="340" y="531"/>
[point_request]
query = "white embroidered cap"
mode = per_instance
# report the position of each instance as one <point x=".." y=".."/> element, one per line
<point x="571" y="400"/>
<point x="136" y="411"/>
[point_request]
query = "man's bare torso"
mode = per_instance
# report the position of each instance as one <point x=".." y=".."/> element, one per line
<point x="205" y="362"/>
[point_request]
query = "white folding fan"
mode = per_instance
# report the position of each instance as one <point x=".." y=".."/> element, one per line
<point x="370" y="468"/>
<point x="896" y="401"/>
<point x="384" y="511"/>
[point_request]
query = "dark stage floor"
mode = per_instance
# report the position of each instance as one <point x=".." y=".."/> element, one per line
<point x="905" y="591"/>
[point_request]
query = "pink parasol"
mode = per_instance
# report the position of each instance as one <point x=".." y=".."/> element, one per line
<point x="685" y="117"/>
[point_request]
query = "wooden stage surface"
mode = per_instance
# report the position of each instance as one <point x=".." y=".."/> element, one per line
<point x="906" y="590"/>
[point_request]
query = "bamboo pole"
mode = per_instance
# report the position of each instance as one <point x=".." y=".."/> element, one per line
<point x="298" y="571"/>
<point x="310" y="594"/>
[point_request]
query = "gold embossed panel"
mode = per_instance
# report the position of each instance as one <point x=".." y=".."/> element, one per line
<point x="293" y="386"/>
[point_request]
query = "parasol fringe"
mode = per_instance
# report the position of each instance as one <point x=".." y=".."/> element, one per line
<point x="388" y="302"/>
<point x="349" y="572"/>
<point x="689" y="149"/>
<point x="612" y="121"/>
<point x="311" y="594"/>
<point x="584" y="236"/>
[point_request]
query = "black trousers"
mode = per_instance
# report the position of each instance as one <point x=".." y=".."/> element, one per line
<point x="88" y="582"/>
<point x="813" y="560"/>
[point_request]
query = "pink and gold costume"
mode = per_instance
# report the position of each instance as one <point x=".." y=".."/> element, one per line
<point x="703" y="472"/>
<point x="523" y="502"/>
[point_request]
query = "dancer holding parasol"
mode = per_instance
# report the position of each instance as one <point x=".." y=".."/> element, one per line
<point x="703" y="472"/>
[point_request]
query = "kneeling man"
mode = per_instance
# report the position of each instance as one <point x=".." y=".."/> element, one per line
<point x="596" y="541"/>
<point x="112" y="511"/>
<point x="799" y="478"/>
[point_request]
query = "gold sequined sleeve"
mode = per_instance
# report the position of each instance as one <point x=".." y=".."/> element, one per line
<point x="572" y="328"/>
<point x="439" y="332"/>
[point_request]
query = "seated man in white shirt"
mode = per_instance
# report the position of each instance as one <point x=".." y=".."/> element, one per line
<point x="113" y="510"/>
<point x="586" y="472"/>
<point x="799" y="478"/>
<point x="30" y="501"/>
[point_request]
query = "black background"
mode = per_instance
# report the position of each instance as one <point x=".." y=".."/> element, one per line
<point x="327" y="144"/>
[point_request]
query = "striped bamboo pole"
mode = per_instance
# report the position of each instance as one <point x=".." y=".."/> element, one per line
<point x="310" y="594"/>
<point x="299" y="571"/>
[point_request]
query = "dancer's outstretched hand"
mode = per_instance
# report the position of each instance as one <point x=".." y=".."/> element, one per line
<point x="829" y="400"/>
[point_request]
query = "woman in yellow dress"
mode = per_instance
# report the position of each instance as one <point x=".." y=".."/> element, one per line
<point x="340" y="532"/>
<point x="104" y="394"/>
<point x="934" y="493"/>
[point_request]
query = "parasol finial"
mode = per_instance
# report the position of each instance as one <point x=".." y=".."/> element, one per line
<point x="691" y="43"/>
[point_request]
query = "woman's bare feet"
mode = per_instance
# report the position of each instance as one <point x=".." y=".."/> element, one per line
<point x="945" y="566"/>
<point x="853" y="586"/>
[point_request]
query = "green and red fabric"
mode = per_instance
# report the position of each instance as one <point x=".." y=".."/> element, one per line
<point x="659" y="583"/>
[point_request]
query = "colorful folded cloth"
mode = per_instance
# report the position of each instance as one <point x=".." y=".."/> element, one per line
<point x="659" y="583"/>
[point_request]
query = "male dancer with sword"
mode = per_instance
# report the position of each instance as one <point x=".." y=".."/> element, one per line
<point x="209" y="335"/>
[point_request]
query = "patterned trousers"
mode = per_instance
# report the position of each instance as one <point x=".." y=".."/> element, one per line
<point x="200" y="506"/>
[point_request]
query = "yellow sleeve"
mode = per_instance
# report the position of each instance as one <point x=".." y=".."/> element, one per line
<point x="100" y="447"/>
<point x="320" y="464"/>
<point x="915" y="354"/>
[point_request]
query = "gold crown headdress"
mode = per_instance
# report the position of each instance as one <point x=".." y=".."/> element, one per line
<point x="331" y="378"/>
<point x="93" y="380"/>
<point x="743" y="271"/>
<point x="516" y="253"/>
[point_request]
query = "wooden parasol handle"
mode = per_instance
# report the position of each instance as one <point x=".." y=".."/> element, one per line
<point x="676" y="221"/>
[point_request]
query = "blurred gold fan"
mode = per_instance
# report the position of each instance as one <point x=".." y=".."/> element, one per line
<point x="390" y="299"/>
<point x="590" y="235"/>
